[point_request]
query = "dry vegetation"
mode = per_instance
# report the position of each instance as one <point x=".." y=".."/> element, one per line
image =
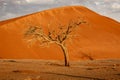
<point x="55" y="70"/>
<point x="58" y="36"/>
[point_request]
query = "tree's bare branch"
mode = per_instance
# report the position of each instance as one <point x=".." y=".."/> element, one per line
<point x="58" y="36"/>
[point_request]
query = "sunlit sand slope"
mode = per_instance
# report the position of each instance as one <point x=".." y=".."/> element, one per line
<point x="98" y="38"/>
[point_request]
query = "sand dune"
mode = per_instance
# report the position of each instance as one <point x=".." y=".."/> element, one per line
<point x="98" y="38"/>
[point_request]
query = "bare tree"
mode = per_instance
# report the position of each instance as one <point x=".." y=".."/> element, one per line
<point x="59" y="36"/>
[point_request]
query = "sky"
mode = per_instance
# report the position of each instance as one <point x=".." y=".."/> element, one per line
<point x="15" y="8"/>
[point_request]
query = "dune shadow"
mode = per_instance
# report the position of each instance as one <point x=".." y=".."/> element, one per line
<point x="9" y="60"/>
<point x="118" y="74"/>
<point x="16" y="71"/>
<point x="73" y="76"/>
<point x="54" y="64"/>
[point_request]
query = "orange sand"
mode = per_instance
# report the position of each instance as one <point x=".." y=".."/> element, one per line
<point x="99" y="38"/>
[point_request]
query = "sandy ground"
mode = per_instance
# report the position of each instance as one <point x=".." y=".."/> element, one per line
<point x="55" y="70"/>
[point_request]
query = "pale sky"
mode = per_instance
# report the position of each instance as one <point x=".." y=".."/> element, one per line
<point x="15" y="8"/>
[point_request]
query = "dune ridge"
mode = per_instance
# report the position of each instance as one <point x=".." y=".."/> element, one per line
<point x="99" y="38"/>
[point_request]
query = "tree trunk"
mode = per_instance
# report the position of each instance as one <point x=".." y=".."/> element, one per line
<point x="66" y="57"/>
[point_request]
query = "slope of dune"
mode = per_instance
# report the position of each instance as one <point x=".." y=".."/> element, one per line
<point x="99" y="37"/>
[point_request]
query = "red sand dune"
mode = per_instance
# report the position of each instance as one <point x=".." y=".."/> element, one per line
<point x="99" y="38"/>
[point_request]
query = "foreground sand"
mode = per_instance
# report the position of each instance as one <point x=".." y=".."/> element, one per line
<point x="54" y="70"/>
